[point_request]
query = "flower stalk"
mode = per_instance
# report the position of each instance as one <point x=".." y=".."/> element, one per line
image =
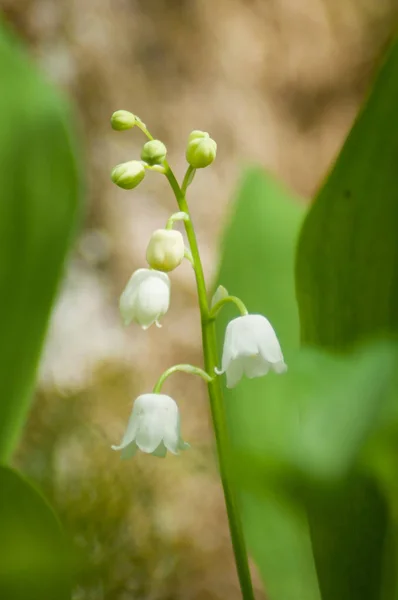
<point x="237" y="301"/>
<point x="251" y="346"/>
<point x="210" y="353"/>
<point x="184" y="369"/>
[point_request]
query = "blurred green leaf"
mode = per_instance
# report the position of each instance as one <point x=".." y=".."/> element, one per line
<point x="257" y="265"/>
<point x="306" y="436"/>
<point x="321" y="399"/>
<point x="347" y="264"/>
<point x="347" y="288"/>
<point x="34" y="562"/>
<point x="38" y="210"/>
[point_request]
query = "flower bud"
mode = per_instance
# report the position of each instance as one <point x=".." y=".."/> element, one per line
<point x="153" y="152"/>
<point x="165" y="250"/>
<point x="196" y="133"/>
<point x="201" y="151"/>
<point x="128" y="175"/>
<point x="122" y="120"/>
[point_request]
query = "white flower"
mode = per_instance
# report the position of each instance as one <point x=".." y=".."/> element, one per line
<point x="251" y="348"/>
<point x="146" y="298"/>
<point x="153" y="427"/>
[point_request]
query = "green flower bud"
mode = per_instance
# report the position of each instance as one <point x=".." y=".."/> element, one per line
<point x="201" y="151"/>
<point x="196" y="133"/>
<point x="165" y="250"/>
<point x="128" y="175"/>
<point x="122" y="120"/>
<point x="153" y="152"/>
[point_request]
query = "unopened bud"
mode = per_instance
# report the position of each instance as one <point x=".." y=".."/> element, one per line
<point x="165" y="250"/>
<point x="196" y="133"/>
<point x="201" y="151"/>
<point x="128" y="175"/>
<point x="154" y="152"/>
<point x="122" y="120"/>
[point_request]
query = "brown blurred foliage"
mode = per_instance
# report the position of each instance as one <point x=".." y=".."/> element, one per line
<point x="274" y="81"/>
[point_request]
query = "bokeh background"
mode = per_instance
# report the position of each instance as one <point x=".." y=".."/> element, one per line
<point x="275" y="82"/>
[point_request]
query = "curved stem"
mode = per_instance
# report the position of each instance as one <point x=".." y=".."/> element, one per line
<point x="178" y="216"/>
<point x="183" y="368"/>
<point x="235" y="300"/>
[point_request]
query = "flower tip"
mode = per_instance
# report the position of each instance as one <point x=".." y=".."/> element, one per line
<point x="280" y="368"/>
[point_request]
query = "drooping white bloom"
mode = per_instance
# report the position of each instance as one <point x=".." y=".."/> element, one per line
<point x="153" y="427"/>
<point x="251" y="348"/>
<point x="146" y="298"/>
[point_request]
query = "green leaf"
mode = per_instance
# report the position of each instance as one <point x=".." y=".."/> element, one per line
<point x="34" y="555"/>
<point x="257" y="265"/>
<point x="347" y="289"/>
<point x="307" y="434"/>
<point x="38" y="211"/>
<point x="316" y="418"/>
<point x="347" y="263"/>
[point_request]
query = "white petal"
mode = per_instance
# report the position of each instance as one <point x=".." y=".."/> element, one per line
<point x="172" y="437"/>
<point x="243" y="336"/>
<point x="129" y="294"/>
<point x="150" y="433"/>
<point x="255" y="366"/>
<point x="158" y="411"/>
<point x="268" y="342"/>
<point x="279" y="367"/>
<point x="132" y="427"/>
<point x="134" y="304"/>
<point x="152" y="301"/>
<point x="228" y="350"/>
<point x="234" y="372"/>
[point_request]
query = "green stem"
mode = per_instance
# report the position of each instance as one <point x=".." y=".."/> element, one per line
<point x="179" y="216"/>
<point x="209" y="341"/>
<point x="189" y="175"/>
<point x="235" y="300"/>
<point x="183" y="368"/>
<point x="216" y="401"/>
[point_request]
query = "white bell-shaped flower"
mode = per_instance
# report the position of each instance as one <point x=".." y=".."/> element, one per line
<point x="251" y="348"/>
<point x="153" y="427"/>
<point x="146" y="298"/>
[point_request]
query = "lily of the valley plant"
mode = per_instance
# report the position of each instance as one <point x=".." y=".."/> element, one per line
<point x="251" y="347"/>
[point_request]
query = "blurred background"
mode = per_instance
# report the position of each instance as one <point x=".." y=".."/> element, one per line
<point x="275" y="83"/>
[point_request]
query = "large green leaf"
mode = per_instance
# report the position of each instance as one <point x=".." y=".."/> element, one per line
<point x="347" y="287"/>
<point x="38" y="210"/>
<point x="34" y="561"/>
<point x="347" y="266"/>
<point x="291" y="449"/>
<point x="257" y="265"/>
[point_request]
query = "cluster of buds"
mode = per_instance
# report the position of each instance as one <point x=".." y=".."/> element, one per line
<point x="251" y="346"/>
